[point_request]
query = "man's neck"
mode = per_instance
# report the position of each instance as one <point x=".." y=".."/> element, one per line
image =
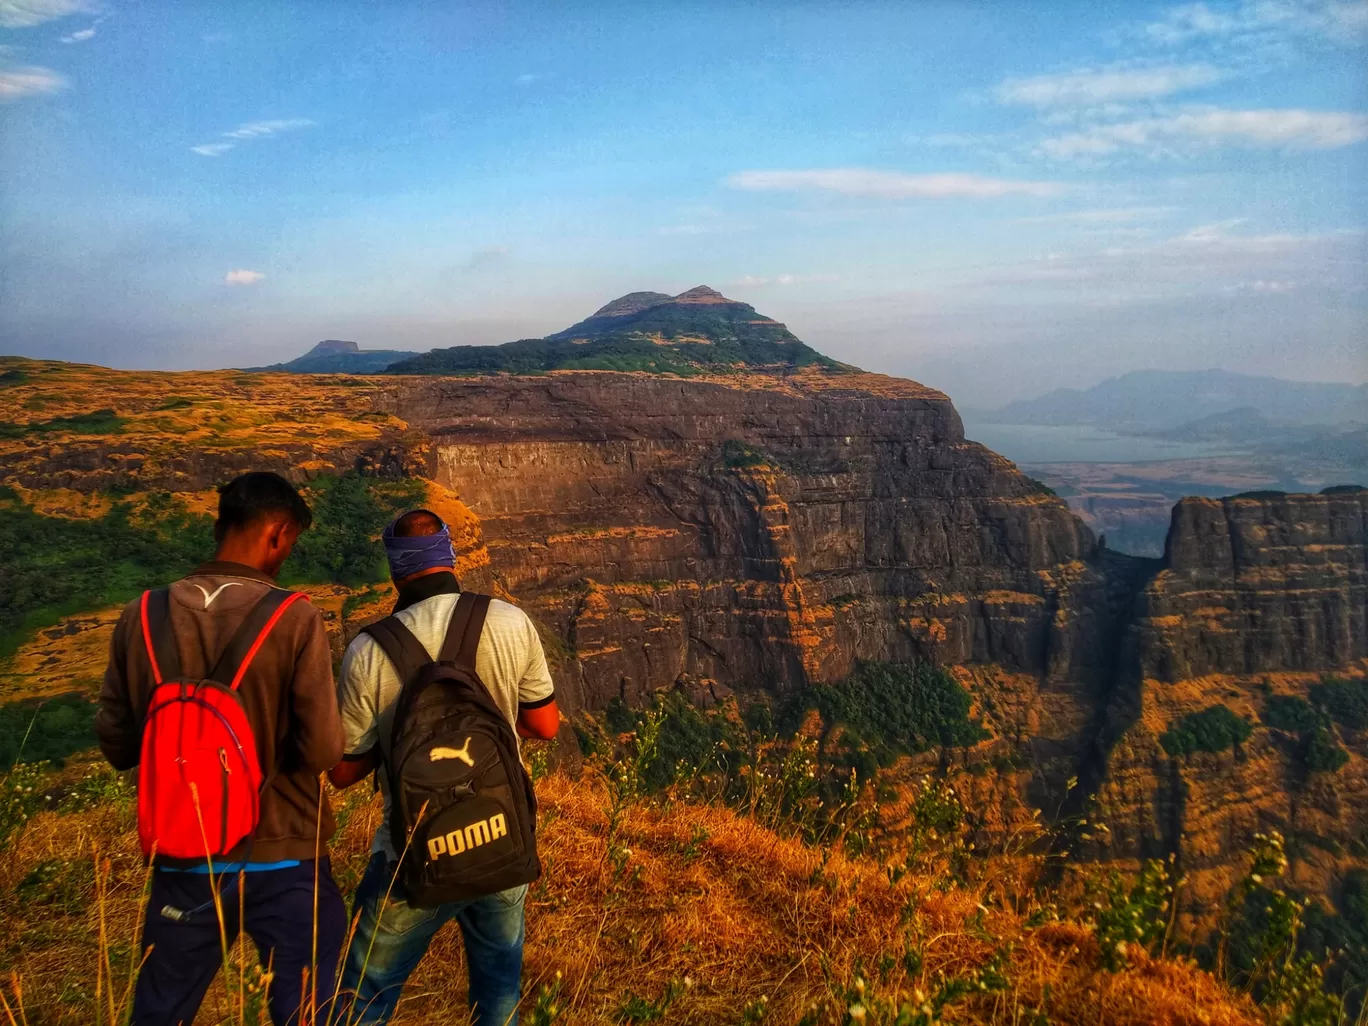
<point x="415" y="589"/>
<point x="242" y="556"/>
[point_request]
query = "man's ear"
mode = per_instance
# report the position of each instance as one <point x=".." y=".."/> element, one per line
<point x="282" y="534"/>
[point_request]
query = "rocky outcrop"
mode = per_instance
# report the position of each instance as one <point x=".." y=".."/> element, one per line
<point x="1261" y="583"/>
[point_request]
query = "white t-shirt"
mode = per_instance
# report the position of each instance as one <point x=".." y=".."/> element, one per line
<point x="509" y="660"/>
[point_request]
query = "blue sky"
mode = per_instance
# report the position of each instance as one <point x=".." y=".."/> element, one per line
<point x="995" y="200"/>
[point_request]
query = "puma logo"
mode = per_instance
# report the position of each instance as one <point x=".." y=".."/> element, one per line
<point x="462" y="753"/>
<point x="460" y="840"/>
<point x="208" y="598"/>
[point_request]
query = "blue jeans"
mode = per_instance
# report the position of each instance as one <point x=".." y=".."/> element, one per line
<point x="389" y="942"/>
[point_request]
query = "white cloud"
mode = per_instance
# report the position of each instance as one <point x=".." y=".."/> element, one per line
<point x="18" y="82"/>
<point x="893" y="185"/>
<point x="27" y="13"/>
<point x="1094" y="87"/>
<point x="242" y="277"/>
<point x="1172" y="134"/>
<point x="1257" y="22"/>
<point x="79" y="37"/>
<point x="250" y="130"/>
<point x="527" y="78"/>
<point x="257" y="129"/>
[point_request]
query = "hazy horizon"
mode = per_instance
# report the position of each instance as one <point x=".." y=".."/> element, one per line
<point x="993" y="206"/>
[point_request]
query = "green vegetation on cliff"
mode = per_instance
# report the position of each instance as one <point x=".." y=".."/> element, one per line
<point x="1214" y="729"/>
<point x="889" y="709"/>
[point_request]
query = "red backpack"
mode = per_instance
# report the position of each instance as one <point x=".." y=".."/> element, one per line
<point x="199" y="779"/>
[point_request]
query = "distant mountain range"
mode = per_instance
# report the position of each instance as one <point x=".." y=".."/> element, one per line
<point x="1191" y="405"/>
<point x="335" y="356"/>
<point x="696" y="332"/>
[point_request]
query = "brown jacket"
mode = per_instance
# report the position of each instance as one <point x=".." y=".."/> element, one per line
<point x="287" y="691"/>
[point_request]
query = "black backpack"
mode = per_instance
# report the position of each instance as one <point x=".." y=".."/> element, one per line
<point x="457" y="786"/>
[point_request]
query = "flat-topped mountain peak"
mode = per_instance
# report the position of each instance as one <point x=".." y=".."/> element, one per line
<point x="332" y="346"/>
<point x="695" y="332"/>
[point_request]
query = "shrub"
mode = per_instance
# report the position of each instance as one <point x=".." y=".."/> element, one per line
<point x="1339" y="940"/>
<point x="1214" y="729"/>
<point x="1346" y="701"/>
<point x="1133" y="919"/>
<point x="1320" y="753"/>
<point x="894" y="709"/>
<point x="1289" y="713"/>
<point x="41" y="731"/>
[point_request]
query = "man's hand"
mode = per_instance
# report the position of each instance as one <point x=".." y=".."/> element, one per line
<point x="352" y="769"/>
<point x="543" y="722"/>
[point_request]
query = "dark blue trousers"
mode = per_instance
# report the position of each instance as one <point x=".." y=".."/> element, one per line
<point x="277" y="905"/>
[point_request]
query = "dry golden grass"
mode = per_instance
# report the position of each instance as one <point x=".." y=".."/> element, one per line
<point x="707" y="894"/>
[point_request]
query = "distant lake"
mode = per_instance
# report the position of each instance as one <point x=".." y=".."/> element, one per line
<point x="1080" y="443"/>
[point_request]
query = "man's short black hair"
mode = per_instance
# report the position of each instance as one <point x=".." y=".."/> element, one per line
<point x="418" y="523"/>
<point x="247" y="498"/>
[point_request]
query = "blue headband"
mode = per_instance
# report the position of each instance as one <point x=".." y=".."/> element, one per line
<point x="414" y="554"/>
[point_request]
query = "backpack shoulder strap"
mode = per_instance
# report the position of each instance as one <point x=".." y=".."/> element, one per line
<point x="463" y="632"/>
<point x="155" y="613"/>
<point x="251" y="634"/>
<point x="398" y="643"/>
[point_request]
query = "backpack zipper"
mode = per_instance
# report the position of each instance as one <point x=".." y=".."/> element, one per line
<point x="223" y="829"/>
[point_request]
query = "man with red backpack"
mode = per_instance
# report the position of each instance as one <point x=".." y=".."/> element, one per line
<point x="219" y="688"/>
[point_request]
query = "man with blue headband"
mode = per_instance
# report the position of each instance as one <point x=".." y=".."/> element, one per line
<point x="391" y="934"/>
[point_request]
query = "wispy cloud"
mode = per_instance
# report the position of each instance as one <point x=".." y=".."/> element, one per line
<point x="19" y="82"/>
<point x="257" y="129"/>
<point x="242" y="277"/>
<point x="1097" y="86"/>
<point x="248" y="131"/>
<point x="1257" y="22"/>
<point x="1209" y="258"/>
<point x="1174" y="134"/>
<point x="27" y="13"/>
<point x="889" y="185"/>
<point x="86" y="33"/>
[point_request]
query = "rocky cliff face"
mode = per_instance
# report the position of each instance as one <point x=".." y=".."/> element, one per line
<point x="713" y="535"/>
<point x="759" y="536"/>
<point x="1257" y="596"/>
<point x="1259" y="584"/>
